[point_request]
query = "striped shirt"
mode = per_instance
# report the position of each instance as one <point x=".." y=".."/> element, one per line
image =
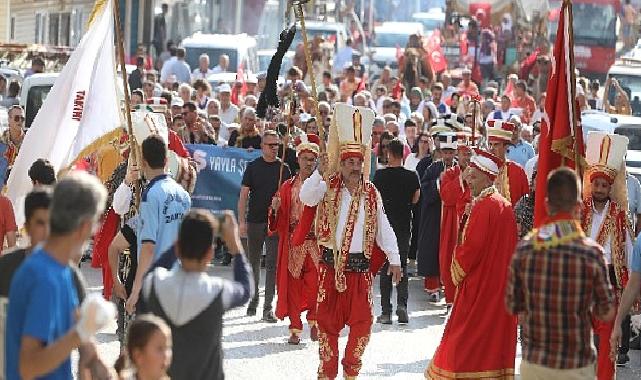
<point x="555" y="289"/>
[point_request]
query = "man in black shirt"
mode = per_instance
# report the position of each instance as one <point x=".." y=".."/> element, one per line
<point x="400" y="190"/>
<point x="260" y="183"/>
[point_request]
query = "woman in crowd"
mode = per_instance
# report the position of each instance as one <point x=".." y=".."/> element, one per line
<point x="421" y="149"/>
<point x="381" y="150"/>
<point x="203" y="89"/>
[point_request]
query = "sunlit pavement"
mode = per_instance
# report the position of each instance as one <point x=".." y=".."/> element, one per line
<point x="254" y="349"/>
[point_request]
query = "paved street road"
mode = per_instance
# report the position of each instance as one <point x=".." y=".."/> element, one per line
<point x="259" y="350"/>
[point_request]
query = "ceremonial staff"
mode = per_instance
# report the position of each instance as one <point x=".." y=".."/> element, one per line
<point x="289" y="111"/>
<point x="298" y="10"/>
<point x="133" y="147"/>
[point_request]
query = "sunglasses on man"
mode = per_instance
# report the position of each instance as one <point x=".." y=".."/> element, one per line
<point x="18" y="118"/>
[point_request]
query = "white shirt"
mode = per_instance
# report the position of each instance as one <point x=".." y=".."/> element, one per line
<point x="122" y="199"/>
<point x="504" y="115"/>
<point x="227" y="117"/>
<point x="530" y="165"/>
<point x="411" y="161"/>
<point x="217" y="70"/>
<point x="597" y="221"/>
<point x="312" y="192"/>
<point x="197" y="74"/>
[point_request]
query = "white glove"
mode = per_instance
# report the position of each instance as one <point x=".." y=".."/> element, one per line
<point x="95" y="313"/>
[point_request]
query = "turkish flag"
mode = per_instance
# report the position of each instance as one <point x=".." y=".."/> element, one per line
<point x="560" y="132"/>
<point x="237" y="92"/>
<point x="436" y="56"/>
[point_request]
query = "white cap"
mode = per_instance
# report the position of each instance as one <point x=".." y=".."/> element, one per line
<point x="448" y="140"/>
<point x="304" y="117"/>
<point x="252" y="79"/>
<point x="224" y="88"/>
<point x="177" y="101"/>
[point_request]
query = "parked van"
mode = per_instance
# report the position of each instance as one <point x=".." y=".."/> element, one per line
<point x="35" y="89"/>
<point x="240" y="48"/>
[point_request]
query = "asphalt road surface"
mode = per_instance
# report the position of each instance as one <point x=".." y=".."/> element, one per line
<point x="254" y="349"/>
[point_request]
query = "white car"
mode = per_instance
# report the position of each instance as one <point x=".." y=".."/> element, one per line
<point x="390" y="40"/>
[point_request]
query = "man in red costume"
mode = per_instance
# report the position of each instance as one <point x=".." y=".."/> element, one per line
<point x="604" y="220"/>
<point x="511" y="182"/>
<point x="297" y="266"/>
<point x="455" y="195"/>
<point x="479" y="340"/>
<point x="350" y="227"/>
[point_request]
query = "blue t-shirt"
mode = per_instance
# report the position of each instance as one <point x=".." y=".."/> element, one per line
<point x="162" y="207"/>
<point x="635" y="265"/>
<point x="520" y="153"/>
<point x="42" y="305"/>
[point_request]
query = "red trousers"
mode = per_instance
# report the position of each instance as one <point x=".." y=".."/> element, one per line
<point x="301" y="295"/>
<point x="352" y="308"/>
<point x="432" y="283"/>
<point x="605" y="365"/>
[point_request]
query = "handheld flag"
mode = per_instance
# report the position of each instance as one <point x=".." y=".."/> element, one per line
<point x="561" y="140"/>
<point x="80" y="113"/>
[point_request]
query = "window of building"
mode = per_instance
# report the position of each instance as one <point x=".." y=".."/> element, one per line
<point x="59" y="28"/>
<point x="76" y="27"/>
<point x="41" y="24"/>
<point x="12" y="28"/>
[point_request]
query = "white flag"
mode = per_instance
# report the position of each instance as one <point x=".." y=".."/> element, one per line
<point x="81" y="108"/>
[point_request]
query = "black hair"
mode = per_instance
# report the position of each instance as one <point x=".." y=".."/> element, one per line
<point x="37" y="199"/>
<point x="14" y="88"/>
<point x="42" y="172"/>
<point x="396" y="148"/>
<point x="562" y="190"/>
<point x="139" y="93"/>
<point x="154" y="151"/>
<point x="197" y="234"/>
<point x="38" y="61"/>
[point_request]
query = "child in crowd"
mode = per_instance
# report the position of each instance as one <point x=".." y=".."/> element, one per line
<point x="148" y="350"/>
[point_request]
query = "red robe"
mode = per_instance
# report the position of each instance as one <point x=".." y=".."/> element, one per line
<point x="281" y="223"/>
<point x="614" y="229"/>
<point x="512" y="182"/>
<point x="479" y="340"/>
<point x="454" y="196"/>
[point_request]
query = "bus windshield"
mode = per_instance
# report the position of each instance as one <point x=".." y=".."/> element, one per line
<point x="594" y="24"/>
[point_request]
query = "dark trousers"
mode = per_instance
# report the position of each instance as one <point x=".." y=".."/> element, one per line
<point x="253" y="245"/>
<point x="403" y="240"/>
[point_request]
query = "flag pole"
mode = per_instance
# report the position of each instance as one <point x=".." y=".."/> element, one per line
<point x="133" y="152"/>
<point x="570" y="30"/>
<point x="310" y="70"/>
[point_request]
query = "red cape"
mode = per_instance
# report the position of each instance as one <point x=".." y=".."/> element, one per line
<point x="519" y="185"/>
<point x="479" y="340"/>
<point x="100" y="257"/>
<point x="454" y="196"/>
<point x="278" y="223"/>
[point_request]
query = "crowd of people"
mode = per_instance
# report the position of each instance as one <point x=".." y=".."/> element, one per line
<point x="364" y="178"/>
